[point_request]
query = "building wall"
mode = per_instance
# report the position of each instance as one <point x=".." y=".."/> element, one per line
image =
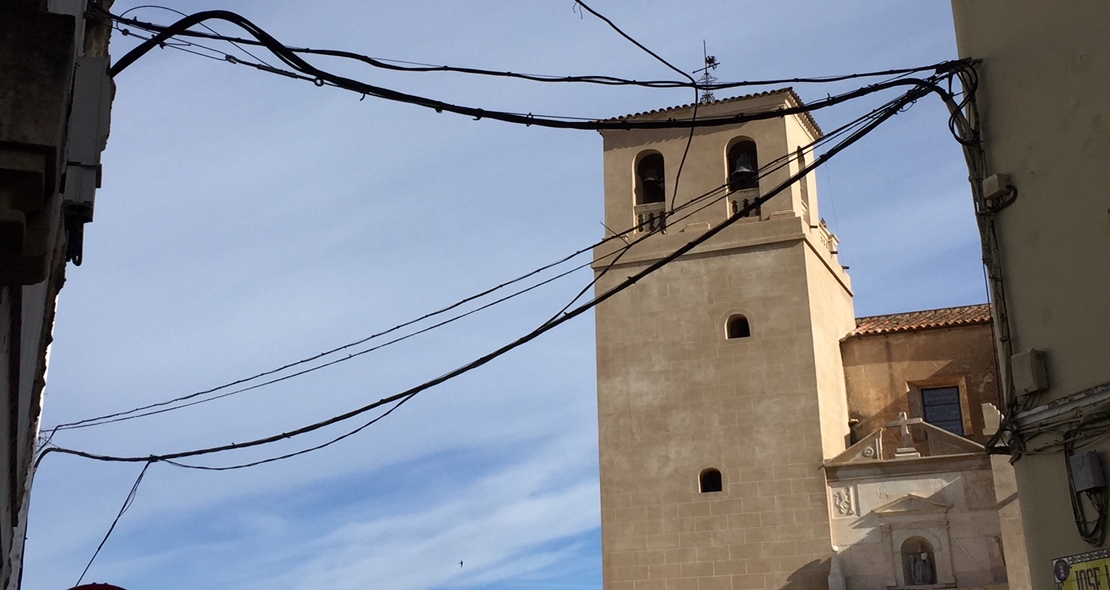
<point x="1045" y="73"/>
<point x="675" y="396"/>
<point x="831" y="316"/>
<point x="971" y="524"/>
<point x="37" y="52"/>
<point x="885" y="373"/>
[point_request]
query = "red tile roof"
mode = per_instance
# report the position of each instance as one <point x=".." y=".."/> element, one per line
<point x="923" y="320"/>
<point x="792" y="96"/>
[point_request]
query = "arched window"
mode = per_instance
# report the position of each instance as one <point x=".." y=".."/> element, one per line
<point x="710" y="481"/>
<point x="919" y="567"/>
<point x="738" y="327"/>
<point x="743" y="166"/>
<point x="650" y="174"/>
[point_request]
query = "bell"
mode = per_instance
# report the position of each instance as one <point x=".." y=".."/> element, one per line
<point x="651" y="178"/>
<point x="742" y="175"/>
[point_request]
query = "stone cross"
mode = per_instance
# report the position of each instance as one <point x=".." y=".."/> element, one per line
<point x="904" y="422"/>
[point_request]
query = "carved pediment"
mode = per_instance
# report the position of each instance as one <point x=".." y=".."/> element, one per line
<point x="911" y="504"/>
<point x="942" y="442"/>
<point x="869" y="448"/>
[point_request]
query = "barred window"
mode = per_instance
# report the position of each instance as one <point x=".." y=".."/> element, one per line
<point x="942" y="408"/>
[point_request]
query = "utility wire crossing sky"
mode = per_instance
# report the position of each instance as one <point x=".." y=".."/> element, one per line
<point x="909" y="84"/>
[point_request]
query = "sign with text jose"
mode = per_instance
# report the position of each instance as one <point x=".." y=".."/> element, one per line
<point x="1086" y="571"/>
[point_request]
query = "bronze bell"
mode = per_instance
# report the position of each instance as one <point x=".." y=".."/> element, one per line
<point x="651" y="178"/>
<point x="742" y="174"/>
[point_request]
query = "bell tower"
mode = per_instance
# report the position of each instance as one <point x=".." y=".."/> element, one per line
<point x="720" y="382"/>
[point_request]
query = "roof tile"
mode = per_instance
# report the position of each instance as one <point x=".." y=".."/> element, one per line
<point x="789" y="91"/>
<point x="923" y="320"/>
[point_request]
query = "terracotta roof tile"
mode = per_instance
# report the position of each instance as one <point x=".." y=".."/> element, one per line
<point x="923" y="320"/>
<point x="788" y="91"/>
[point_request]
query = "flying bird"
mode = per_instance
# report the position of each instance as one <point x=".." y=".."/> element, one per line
<point x="460" y="563"/>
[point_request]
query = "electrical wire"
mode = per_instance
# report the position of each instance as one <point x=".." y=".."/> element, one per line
<point x="237" y="45"/>
<point x="701" y="202"/>
<point x="924" y="88"/>
<point x="126" y="504"/>
<point x="417" y="67"/>
<point x="643" y="48"/>
<point x="693" y="82"/>
<point x="110" y="417"/>
<point x="321" y="78"/>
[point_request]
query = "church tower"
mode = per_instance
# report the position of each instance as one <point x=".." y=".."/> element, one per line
<point x="720" y="382"/>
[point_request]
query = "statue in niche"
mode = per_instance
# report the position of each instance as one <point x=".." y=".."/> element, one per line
<point x="920" y="569"/>
<point x="919" y="565"/>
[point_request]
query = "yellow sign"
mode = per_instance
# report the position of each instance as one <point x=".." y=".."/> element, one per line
<point x="1087" y="571"/>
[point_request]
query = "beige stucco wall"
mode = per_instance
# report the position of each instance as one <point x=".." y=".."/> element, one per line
<point x="675" y="396"/>
<point x="885" y="372"/>
<point x="831" y="317"/>
<point x="1045" y="75"/>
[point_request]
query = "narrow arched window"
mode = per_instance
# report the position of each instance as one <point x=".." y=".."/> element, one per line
<point x="650" y="187"/>
<point x="743" y="166"/>
<point x="738" y="327"/>
<point x="710" y="481"/>
<point x="803" y="184"/>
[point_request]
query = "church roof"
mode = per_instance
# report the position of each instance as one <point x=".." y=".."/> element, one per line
<point x="947" y="317"/>
<point x="788" y="91"/>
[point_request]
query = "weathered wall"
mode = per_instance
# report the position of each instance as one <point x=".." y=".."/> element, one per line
<point x="885" y="373"/>
<point x="1045" y="73"/>
<point x="36" y="49"/>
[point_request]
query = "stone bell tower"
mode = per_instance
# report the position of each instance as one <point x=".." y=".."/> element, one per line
<point x="720" y="382"/>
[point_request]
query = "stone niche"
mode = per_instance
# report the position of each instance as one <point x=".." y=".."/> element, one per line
<point x="915" y="533"/>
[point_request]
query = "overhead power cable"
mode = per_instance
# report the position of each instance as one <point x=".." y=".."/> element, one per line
<point x="321" y="78"/>
<point x="417" y="67"/>
<point x="696" y="204"/>
<point x="693" y="84"/>
<point x="126" y="504"/>
<point x="687" y="209"/>
<point x="923" y="88"/>
<point x="643" y="48"/>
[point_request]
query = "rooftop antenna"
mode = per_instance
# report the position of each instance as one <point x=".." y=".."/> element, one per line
<point x="706" y="78"/>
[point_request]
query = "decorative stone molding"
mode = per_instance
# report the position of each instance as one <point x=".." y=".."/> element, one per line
<point x="913" y="517"/>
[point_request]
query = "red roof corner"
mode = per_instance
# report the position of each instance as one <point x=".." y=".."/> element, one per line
<point x="911" y="321"/>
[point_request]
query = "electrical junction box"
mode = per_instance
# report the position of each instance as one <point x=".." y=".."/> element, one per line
<point x="994" y="186"/>
<point x="1086" y="472"/>
<point x="1030" y="372"/>
<point x="88" y="134"/>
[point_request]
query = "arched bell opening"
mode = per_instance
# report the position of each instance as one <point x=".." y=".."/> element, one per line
<point x="743" y="165"/>
<point x="650" y="183"/>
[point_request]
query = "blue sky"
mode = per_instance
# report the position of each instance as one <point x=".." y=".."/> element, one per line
<point x="247" y="220"/>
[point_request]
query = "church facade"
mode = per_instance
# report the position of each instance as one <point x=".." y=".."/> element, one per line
<point x="752" y="432"/>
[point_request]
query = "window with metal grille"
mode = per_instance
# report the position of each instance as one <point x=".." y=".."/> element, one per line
<point x="942" y="408"/>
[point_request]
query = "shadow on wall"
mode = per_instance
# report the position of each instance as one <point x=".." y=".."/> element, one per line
<point x="812" y="575"/>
